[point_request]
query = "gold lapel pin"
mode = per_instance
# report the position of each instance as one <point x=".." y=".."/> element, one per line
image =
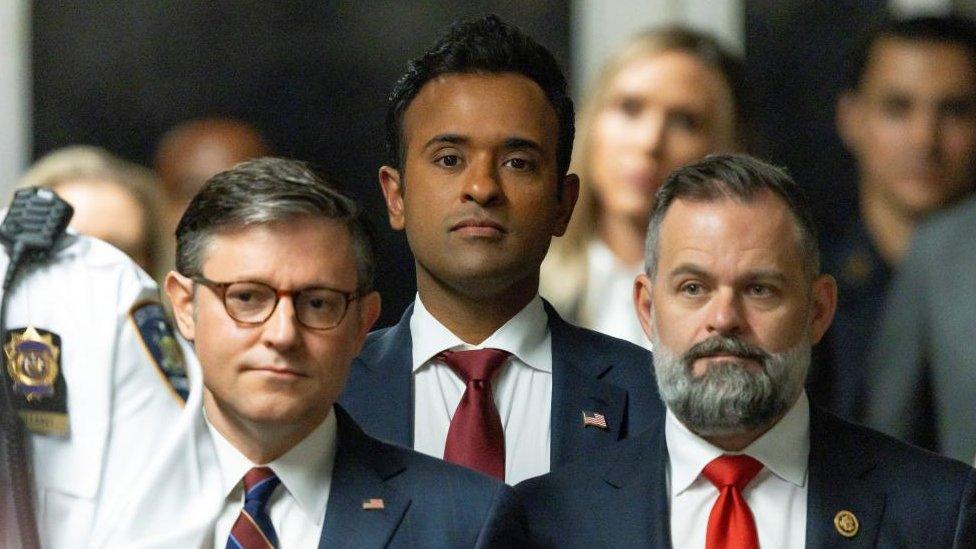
<point x="373" y="504"/>
<point x="846" y="523"/>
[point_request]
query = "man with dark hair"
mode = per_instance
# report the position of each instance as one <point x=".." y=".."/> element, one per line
<point x="274" y="289"/>
<point x="909" y="120"/>
<point x="480" y="370"/>
<point x="733" y="300"/>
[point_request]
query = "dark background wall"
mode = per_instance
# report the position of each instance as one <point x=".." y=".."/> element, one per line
<point x="312" y="75"/>
<point x="797" y="62"/>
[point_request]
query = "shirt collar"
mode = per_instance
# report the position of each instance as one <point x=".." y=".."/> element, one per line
<point x="305" y="470"/>
<point x="524" y="336"/>
<point x="784" y="449"/>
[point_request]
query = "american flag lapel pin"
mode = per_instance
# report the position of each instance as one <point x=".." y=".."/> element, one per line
<point x="373" y="504"/>
<point x="595" y="419"/>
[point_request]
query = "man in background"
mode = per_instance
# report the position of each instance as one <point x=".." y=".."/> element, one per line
<point x="193" y="152"/>
<point x="909" y="120"/>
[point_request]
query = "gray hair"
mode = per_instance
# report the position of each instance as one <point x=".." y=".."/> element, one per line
<point x="263" y="191"/>
<point x="738" y="177"/>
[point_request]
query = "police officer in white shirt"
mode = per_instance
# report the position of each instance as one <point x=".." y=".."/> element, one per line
<point x="93" y="376"/>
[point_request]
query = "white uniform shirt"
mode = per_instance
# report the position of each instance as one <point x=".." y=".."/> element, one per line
<point x="777" y="496"/>
<point x="297" y="506"/>
<point x="522" y="387"/>
<point x="119" y="404"/>
<point x="608" y="300"/>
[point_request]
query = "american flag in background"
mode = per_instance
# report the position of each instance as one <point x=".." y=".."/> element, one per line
<point x="594" y="419"/>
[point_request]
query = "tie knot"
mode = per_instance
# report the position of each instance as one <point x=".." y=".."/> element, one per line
<point x="259" y="482"/>
<point x="475" y="365"/>
<point x="728" y="470"/>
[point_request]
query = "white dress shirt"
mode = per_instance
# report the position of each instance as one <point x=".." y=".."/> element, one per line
<point x="522" y="387"/>
<point x="297" y="506"/>
<point x="777" y="496"/>
<point x="608" y="300"/>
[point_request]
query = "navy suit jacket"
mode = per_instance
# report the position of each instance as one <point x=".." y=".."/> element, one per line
<point x="590" y="372"/>
<point x="412" y="500"/>
<point x="902" y="496"/>
<point x="426" y="502"/>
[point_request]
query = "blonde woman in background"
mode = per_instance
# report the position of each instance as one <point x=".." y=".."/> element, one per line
<point x="114" y="200"/>
<point x="670" y="96"/>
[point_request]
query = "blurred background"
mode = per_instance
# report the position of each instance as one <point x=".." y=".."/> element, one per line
<point x="312" y="77"/>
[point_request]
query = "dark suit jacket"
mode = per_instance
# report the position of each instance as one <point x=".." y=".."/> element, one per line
<point x="836" y="380"/>
<point x="426" y="502"/>
<point x="901" y="495"/>
<point x="590" y="372"/>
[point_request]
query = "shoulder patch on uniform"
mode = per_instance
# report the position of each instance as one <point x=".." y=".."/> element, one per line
<point x="159" y="341"/>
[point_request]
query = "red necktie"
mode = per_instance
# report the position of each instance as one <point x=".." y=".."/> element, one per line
<point x="475" y="438"/>
<point x="730" y="524"/>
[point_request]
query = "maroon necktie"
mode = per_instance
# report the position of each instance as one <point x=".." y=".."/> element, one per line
<point x="476" y="438"/>
<point x="730" y="524"/>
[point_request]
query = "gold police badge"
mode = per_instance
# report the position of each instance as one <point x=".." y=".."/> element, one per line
<point x="32" y="362"/>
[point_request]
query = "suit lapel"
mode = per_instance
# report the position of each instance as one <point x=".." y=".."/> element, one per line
<point x="380" y="392"/>
<point x="577" y="388"/>
<point x="639" y="469"/>
<point x="841" y="479"/>
<point x="359" y="476"/>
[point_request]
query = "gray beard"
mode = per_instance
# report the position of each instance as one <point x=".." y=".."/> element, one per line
<point x="728" y="399"/>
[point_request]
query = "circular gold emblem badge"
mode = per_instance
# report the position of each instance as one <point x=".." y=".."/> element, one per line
<point x="846" y="524"/>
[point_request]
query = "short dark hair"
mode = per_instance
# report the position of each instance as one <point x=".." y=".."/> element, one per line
<point x="738" y="177"/>
<point x="262" y="191"/>
<point x="949" y="29"/>
<point x="485" y="45"/>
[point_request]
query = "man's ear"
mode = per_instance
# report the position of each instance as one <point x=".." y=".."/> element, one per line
<point x="643" y="300"/>
<point x="392" y="186"/>
<point x="848" y="118"/>
<point x="824" y="306"/>
<point x="179" y="289"/>
<point x="568" y="196"/>
<point x="370" y="307"/>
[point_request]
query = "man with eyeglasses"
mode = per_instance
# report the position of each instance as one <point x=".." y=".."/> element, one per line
<point x="274" y="288"/>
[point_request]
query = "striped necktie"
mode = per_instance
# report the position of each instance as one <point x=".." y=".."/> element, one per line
<point x="253" y="529"/>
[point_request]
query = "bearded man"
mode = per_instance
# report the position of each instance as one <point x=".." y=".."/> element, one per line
<point x="733" y="299"/>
